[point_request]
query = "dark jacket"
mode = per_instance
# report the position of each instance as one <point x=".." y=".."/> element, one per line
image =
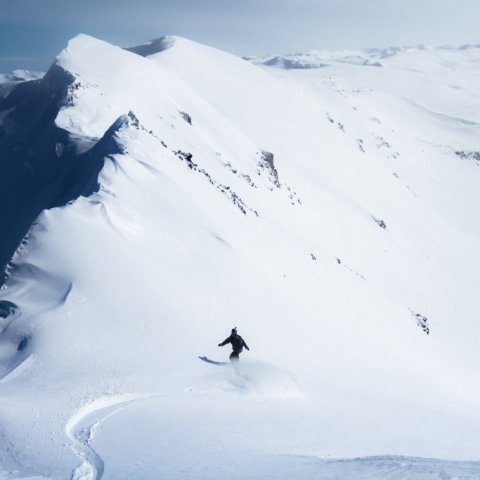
<point x="237" y="343"/>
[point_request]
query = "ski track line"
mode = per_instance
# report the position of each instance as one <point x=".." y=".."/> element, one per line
<point x="81" y="427"/>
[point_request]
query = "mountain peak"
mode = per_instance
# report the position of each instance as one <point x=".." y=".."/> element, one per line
<point x="154" y="46"/>
<point x="83" y="41"/>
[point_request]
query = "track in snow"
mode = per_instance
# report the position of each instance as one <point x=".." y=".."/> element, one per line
<point x="80" y="429"/>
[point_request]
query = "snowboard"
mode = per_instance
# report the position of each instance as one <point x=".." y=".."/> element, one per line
<point x="213" y="362"/>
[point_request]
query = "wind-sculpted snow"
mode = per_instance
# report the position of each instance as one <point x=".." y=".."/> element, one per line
<point x="41" y="165"/>
<point x="157" y="196"/>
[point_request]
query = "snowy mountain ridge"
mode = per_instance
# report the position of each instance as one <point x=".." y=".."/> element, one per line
<point x="157" y="196"/>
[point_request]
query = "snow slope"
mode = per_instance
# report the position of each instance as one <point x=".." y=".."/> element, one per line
<point x="329" y="213"/>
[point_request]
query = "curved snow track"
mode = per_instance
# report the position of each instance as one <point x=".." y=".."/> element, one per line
<point x="80" y="429"/>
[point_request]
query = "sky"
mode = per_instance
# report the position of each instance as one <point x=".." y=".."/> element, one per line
<point x="33" y="32"/>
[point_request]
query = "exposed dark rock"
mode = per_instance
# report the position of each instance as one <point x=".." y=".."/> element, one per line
<point x="7" y="308"/>
<point x="187" y="157"/>
<point x="72" y="93"/>
<point x="267" y="164"/>
<point x="23" y="343"/>
<point x="380" y="223"/>
<point x="422" y="322"/>
<point x="382" y="143"/>
<point x="471" y="155"/>
<point x="243" y="176"/>
<point x="186" y="117"/>
<point x="133" y="119"/>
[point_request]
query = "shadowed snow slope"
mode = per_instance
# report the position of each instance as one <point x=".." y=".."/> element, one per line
<point x="329" y="213"/>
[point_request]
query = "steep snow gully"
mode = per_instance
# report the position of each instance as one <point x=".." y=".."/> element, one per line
<point x="325" y="203"/>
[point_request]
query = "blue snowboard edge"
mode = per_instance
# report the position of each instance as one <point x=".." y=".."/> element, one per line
<point x="213" y="362"/>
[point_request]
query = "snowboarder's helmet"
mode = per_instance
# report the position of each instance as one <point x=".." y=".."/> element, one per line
<point x="234" y="331"/>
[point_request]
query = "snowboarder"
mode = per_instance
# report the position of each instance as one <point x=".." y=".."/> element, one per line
<point x="237" y="345"/>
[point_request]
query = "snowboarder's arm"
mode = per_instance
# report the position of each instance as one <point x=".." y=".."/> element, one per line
<point x="227" y="340"/>
<point x="245" y="345"/>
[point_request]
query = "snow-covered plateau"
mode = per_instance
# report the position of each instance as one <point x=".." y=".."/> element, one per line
<point x="325" y="203"/>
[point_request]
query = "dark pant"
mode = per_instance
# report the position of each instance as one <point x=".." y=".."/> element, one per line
<point x="234" y="357"/>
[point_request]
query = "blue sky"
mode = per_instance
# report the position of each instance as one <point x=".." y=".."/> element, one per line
<point x="32" y="32"/>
